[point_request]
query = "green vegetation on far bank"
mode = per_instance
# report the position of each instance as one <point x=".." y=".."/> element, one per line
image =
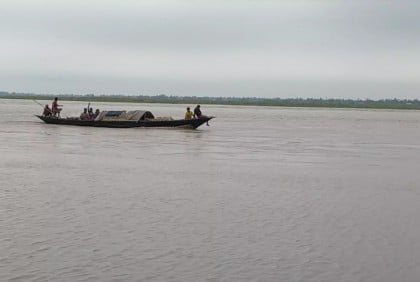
<point x="246" y="101"/>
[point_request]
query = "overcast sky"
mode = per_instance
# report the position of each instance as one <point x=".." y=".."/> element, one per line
<point x="312" y="48"/>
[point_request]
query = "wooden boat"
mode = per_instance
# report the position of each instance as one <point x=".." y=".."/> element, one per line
<point x="123" y="119"/>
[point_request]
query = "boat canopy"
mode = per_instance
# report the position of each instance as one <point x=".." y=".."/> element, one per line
<point x="124" y="116"/>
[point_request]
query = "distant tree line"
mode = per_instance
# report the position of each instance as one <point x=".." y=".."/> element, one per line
<point x="250" y="101"/>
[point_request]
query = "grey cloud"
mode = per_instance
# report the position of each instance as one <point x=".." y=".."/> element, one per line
<point x="329" y="39"/>
<point x="268" y="26"/>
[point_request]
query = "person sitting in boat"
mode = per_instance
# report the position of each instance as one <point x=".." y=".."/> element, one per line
<point x="84" y="115"/>
<point x="91" y="114"/>
<point x="198" y="114"/>
<point x="55" y="107"/>
<point x="47" y="111"/>
<point x="188" y="114"/>
<point x="97" y="112"/>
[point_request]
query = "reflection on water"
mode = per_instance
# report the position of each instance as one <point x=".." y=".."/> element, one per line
<point x="270" y="194"/>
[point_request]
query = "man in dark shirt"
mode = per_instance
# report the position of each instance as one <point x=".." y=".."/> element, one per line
<point x="197" y="112"/>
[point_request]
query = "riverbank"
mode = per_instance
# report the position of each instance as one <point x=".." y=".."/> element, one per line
<point x="244" y="101"/>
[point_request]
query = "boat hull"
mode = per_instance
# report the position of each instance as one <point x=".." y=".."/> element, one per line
<point x="183" y="123"/>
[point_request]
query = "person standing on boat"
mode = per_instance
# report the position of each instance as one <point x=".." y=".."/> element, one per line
<point x="198" y="114"/>
<point x="55" y="108"/>
<point x="188" y="114"/>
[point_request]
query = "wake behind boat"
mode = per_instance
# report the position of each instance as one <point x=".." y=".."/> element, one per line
<point x="126" y="119"/>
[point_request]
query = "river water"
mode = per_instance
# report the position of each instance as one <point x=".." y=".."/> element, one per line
<point x="262" y="194"/>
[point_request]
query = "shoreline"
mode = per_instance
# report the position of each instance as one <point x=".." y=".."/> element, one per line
<point x="391" y="104"/>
